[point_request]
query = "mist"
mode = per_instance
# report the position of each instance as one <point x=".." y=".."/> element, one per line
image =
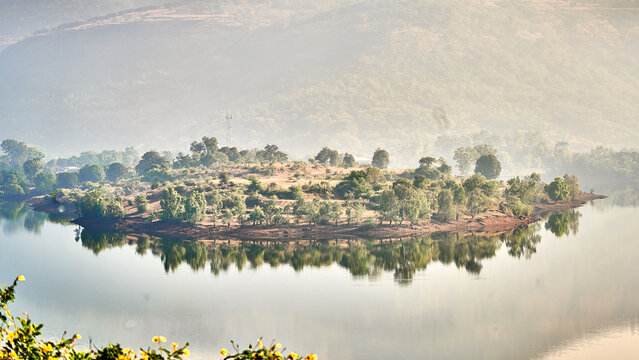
<point x="353" y="75"/>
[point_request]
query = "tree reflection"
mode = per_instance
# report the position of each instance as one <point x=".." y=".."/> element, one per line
<point x="564" y="223"/>
<point x="362" y="257"/>
<point x="523" y="242"/>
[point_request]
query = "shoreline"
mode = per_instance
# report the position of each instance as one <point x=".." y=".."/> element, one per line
<point x="491" y="222"/>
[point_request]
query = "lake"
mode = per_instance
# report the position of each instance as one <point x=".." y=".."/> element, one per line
<point x="564" y="288"/>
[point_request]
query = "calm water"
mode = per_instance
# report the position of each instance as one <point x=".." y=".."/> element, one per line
<point x="562" y="289"/>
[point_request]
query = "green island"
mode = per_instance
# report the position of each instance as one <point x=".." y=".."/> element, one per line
<point x="215" y="192"/>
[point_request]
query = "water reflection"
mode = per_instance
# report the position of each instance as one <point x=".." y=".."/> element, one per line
<point x="363" y="258"/>
<point x="564" y="223"/>
<point x="16" y="216"/>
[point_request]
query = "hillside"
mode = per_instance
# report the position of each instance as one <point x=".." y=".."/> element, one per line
<point x="351" y="76"/>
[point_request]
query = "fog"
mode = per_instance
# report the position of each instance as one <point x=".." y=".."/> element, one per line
<point x="351" y="75"/>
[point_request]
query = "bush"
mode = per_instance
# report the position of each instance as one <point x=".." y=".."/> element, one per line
<point x="96" y="204"/>
<point x="141" y="203"/>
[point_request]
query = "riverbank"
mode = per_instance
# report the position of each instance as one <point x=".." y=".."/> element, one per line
<point x="488" y="223"/>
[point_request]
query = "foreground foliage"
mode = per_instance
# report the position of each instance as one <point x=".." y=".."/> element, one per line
<point x="21" y="339"/>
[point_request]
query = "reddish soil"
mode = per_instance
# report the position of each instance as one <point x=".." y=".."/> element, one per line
<point x="490" y="222"/>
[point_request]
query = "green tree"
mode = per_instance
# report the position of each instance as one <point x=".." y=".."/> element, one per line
<point x="116" y="171"/>
<point x="465" y="157"/>
<point x="44" y="182"/>
<point x="477" y="202"/>
<point x="348" y="160"/>
<point x="446" y="208"/>
<point x="96" y="204"/>
<point x="327" y="156"/>
<point x="388" y="207"/>
<point x="557" y="190"/>
<point x="141" y="203"/>
<point x="171" y="205"/>
<point x="150" y="160"/>
<point x="380" y="159"/>
<point x="194" y="207"/>
<point x="13" y="182"/>
<point x="32" y="167"/>
<point x="240" y="209"/>
<point x="19" y="152"/>
<point x="93" y="173"/>
<point x="572" y="185"/>
<point x="354" y="211"/>
<point x="257" y="215"/>
<point x="489" y="166"/>
<point x="67" y="180"/>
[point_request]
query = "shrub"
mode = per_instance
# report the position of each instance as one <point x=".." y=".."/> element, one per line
<point x="96" y="204"/>
<point x="141" y="203"/>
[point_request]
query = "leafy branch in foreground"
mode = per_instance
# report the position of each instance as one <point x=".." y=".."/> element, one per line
<point x="261" y="352"/>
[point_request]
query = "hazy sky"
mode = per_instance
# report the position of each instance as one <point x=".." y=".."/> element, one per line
<point x="352" y="75"/>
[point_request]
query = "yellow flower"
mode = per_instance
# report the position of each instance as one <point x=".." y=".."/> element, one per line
<point x="21" y="278"/>
<point x="259" y="343"/>
<point x="13" y="355"/>
<point x="277" y="353"/>
<point x="293" y="355"/>
<point x="186" y="352"/>
<point x="77" y="336"/>
<point x="162" y="339"/>
<point x="46" y="348"/>
<point x="155" y="339"/>
<point x="278" y="345"/>
<point x="224" y="352"/>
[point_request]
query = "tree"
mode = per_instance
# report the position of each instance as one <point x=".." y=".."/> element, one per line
<point x="116" y="171"/>
<point x="32" y="167"/>
<point x="19" y="152"/>
<point x="13" y="182"/>
<point x="224" y="177"/>
<point x="485" y="149"/>
<point x="257" y="215"/>
<point x="271" y="153"/>
<point x="477" y="202"/>
<point x="93" y="173"/>
<point x="557" y="190"/>
<point x="150" y="160"/>
<point x="335" y="212"/>
<point x="194" y="208"/>
<point x="572" y="184"/>
<point x="446" y="209"/>
<point x="388" y="207"/>
<point x="67" y="180"/>
<point x="210" y="144"/>
<point x="44" y="182"/>
<point x="380" y="159"/>
<point x="489" y="166"/>
<point x="171" y="205"/>
<point x="354" y="211"/>
<point x="240" y="209"/>
<point x="96" y="204"/>
<point x="271" y="210"/>
<point x="327" y="156"/>
<point x="465" y="157"/>
<point x="141" y="203"/>
<point x="348" y="160"/>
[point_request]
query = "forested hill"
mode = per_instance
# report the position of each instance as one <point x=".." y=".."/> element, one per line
<point x="350" y="75"/>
